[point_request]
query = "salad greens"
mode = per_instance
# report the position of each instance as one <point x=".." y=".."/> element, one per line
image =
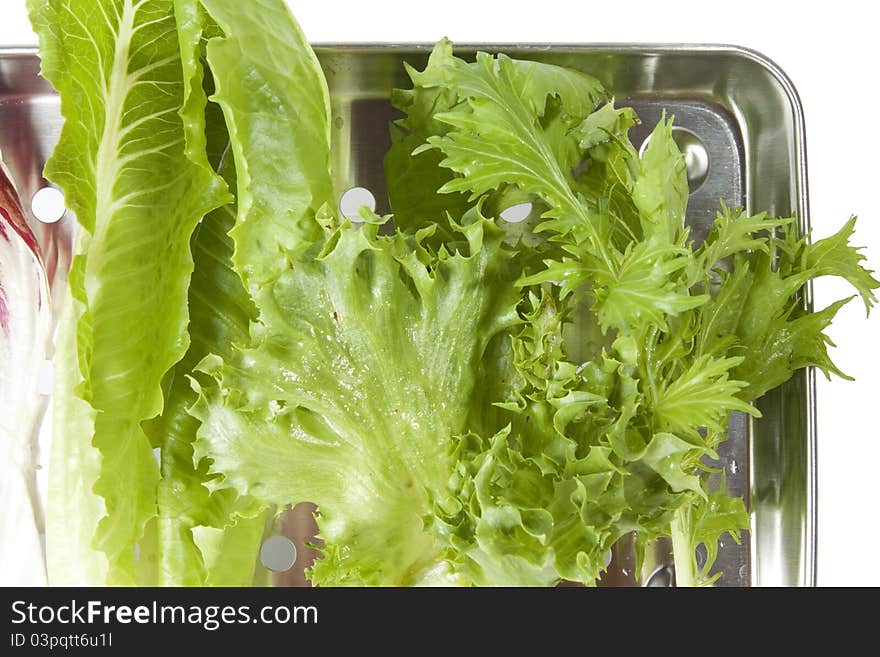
<point x="137" y="194"/>
<point x="466" y="400"/>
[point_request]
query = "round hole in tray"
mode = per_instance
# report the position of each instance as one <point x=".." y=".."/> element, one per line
<point x="516" y="213"/>
<point x="696" y="155"/>
<point x="48" y="205"/>
<point x="278" y="553"/>
<point x="664" y="576"/>
<point x="353" y="200"/>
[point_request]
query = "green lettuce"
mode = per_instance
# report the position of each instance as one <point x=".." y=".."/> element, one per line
<point x="122" y="163"/>
<point x="220" y="315"/>
<point x="349" y="399"/>
<point x="612" y="430"/>
<point x="277" y="110"/>
<point x="467" y="401"/>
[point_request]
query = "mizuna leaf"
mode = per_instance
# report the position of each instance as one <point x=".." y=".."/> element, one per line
<point x="701" y="396"/>
<point x="496" y="137"/>
<point x="834" y="256"/>
<point x="661" y="190"/>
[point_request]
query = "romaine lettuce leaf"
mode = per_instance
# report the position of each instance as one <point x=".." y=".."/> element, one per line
<point x="220" y="314"/>
<point x="122" y="163"/>
<point x="277" y="108"/>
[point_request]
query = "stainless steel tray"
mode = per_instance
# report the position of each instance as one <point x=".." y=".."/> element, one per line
<point x="741" y="127"/>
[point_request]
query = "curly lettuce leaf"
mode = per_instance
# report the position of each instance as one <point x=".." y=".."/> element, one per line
<point x="700" y="397"/>
<point x="295" y="290"/>
<point x="588" y="452"/>
<point x="698" y="332"/>
<point x="496" y="137"/>
<point x="352" y="393"/>
<point x="836" y="256"/>
<point x="575" y="469"/>
<point x="415" y="178"/>
<point x="660" y="191"/>
<point x="733" y="231"/>
<point x="757" y="267"/>
<point x="704" y="524"/>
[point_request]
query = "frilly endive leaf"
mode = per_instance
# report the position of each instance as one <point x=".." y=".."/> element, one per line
<point x="700" y="397"/>
<point x="353" y="391"/>
<point x="413" y="179"/>
<point x="505" y="131"/>
<point x="835" y="256"/>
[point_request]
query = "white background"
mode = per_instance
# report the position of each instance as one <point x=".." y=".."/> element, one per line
<point x="829" y="51"/>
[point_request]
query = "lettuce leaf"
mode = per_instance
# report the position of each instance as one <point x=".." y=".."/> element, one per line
<point x="351" y="395"/>
<point x="122" y="163"/>
<point x="466" y="400"/>
<point x="276" y="105"/>
<point x="220" y="314"/>
<point x="624" y="437"/>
